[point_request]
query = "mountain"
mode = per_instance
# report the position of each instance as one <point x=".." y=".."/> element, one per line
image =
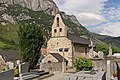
<point x="41" y="12"/>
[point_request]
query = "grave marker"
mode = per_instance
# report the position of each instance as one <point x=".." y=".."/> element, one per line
<point x="100" y="55"/>
<point x="10" y="65"/>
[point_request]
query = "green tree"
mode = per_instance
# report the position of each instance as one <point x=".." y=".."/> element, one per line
<point x="30" y="42"/>
<point x="83" y="64"/>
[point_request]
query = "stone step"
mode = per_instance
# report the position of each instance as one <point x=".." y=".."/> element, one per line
<point x="44" y="76"/>
<point x="28" y="77"/>
<point x="42" y="73"/>
<point x="37" y="70"/>
<point x="34" y="74"/>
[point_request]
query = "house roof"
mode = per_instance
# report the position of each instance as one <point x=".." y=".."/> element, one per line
<point x="77" y="39"/>
<point x="10" y="55"/>
<point x="58" y="57"/>
<point x="1" y="59"/>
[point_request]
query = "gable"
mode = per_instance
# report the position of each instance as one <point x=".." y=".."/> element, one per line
<point x="58" y="27"/>
<point x="49" y="57"/>
<point x="58" y="57"/>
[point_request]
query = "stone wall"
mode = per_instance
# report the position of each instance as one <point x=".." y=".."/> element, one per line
<point x="99" y="64"/>
<point x="80" y="50"/>
<point x="61" y="42"/>
<point x="53" y="67"/>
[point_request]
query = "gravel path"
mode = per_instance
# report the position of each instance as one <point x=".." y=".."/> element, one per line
<point x="57" y="76"/>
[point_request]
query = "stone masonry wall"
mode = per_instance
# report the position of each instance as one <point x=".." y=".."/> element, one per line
<point x="80" y="50"/>
<point x="53" y="67"/>
<point x="61" y="42"/>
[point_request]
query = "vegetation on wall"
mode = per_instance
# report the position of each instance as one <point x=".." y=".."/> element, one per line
<point x="82" y="64"/>
<point x="105" y="49"/>
<point x="30" y="42"/>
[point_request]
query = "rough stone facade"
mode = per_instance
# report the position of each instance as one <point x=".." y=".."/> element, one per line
<point x="60" y="40"/>
<point x="99" y="64"/>
<point x="55" y="43"/>
<point x="54" y="67"/>
<point x="81" y="50"/>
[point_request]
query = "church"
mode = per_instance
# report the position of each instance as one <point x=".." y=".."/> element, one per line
<point x="63" y="46"/>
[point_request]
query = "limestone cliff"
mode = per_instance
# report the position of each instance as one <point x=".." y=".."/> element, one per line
<point x="46" y="5"/>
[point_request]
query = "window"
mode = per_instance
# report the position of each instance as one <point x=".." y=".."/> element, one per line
<point x="57" y="21"/>
<point x="55" y="30"/>
<point x="60" y="29"/>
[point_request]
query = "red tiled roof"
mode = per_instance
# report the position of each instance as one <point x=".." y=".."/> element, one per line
<point x="44" y="51"/>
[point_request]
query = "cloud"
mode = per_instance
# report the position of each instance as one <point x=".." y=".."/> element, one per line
<point x="88" y="12"/>
<point x="89" y="19"/>
<point x="110" y="28"/>
<point x="92" y="13"/>
<point x="114" y="13"/>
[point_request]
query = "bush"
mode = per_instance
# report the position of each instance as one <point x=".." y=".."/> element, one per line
<point x="31" y="40"/>
<point x="4" y="68"/>
<point x="83" y="64"/>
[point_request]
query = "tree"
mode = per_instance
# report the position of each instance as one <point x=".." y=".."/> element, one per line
<point x="30" y="42"/>
<point x="83" y="64"/>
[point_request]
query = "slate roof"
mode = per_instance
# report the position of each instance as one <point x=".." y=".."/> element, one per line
<point x="58" y="57"/>
<point x="10" y="55"/>
<point x="77" y="39"/>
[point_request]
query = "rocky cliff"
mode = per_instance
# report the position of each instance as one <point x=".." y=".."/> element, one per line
<point x="37" y="5"/>
<point x="46" y="5"/>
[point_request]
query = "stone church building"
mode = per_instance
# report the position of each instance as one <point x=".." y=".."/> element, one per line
<point x="63" y="46"/>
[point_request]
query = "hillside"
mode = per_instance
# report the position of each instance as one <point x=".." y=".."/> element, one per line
<point x="14" y="12"/>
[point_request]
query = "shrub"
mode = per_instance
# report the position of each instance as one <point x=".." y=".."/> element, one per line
<point x="83" y="64"/>
<point x="4" y="68"/>
<point x="31" y="40"/>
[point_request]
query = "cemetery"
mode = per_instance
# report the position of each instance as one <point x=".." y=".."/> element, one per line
<point x="23" y="73"/>
<point x="65" y="53"/>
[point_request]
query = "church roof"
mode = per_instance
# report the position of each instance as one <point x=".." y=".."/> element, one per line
<point x="79" y="40"/>
<point x="58" y="57"/>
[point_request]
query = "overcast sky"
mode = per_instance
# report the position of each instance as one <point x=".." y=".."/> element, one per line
<point x="99" y="16"/>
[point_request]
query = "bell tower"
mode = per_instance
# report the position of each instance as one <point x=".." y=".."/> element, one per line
<point x="59" y="29"/>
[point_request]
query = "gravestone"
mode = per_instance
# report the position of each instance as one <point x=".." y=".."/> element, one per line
<point x="7" y="75"/>
<point x="18" y="62"/>
<point x="110" y="50"/>
<point x="109" y="71"/>
<point x="24" y="74"/>
<point x="100" y="55"/>
<point x="87" y="75"/>
<point x="23" y="68"/>
<point x="91" y="52"/>
<point x="10" y="65"/>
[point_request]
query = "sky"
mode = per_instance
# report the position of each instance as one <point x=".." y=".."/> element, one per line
<point x="99" y="16"/>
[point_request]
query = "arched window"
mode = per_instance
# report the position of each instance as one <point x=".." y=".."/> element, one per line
<point x="55" y="30"/>
<point x="60" y="29"/>
<point x="57" y="21"/>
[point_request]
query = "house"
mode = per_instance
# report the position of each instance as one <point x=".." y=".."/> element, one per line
<point x="63" y="46"/>
<point x="1" y="60"/>
<point x="10" y="56"/>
